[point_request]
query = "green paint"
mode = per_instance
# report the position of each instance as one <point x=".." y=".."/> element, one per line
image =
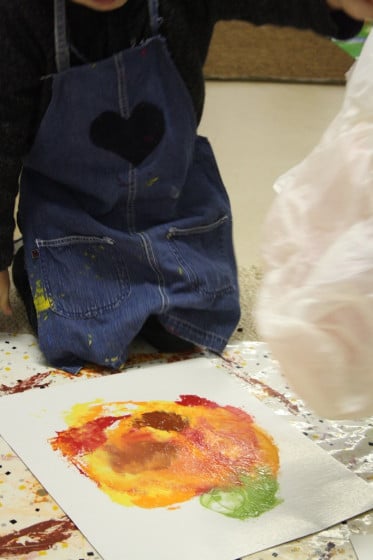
<point x="354" y="46"/>
<point x="255" y="495"/>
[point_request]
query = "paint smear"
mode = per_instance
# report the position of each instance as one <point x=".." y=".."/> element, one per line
<point x="41" y="300"/>
<point x="162" y="453"/>
<point x="35" y="381"/>
<point x="36" y="538"/>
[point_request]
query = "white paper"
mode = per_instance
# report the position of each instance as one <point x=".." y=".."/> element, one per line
<point x="316" y="490"/>
<point x="363" y="546"/>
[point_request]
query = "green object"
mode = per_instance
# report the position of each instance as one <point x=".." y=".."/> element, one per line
<point x="354" y="46"/>
<point x="254" y="495"/>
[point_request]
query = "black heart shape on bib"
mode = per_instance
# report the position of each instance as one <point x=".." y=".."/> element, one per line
<point x="133" y="139"/>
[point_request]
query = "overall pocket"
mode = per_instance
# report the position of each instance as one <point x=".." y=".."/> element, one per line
<point x="205" y="254"/>
<point x="82" y="276"/>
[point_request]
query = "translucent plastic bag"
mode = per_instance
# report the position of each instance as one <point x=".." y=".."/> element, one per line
<point x="315" y="305"/>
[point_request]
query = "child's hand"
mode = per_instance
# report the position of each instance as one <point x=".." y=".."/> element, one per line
<point x="4" y="293"/>
<point x="358" y="9"/>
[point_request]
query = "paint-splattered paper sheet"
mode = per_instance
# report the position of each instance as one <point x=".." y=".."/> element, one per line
<point x="225" y="475"/>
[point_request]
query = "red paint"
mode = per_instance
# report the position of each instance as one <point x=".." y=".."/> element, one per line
<point x="85" y="439"/>
<point x="193" y="400"/>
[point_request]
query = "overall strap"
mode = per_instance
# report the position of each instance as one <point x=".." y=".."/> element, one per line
<point x="60" y="36"/>
<point x="155" y="20"/>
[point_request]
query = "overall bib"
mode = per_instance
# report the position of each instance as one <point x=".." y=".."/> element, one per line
<point x="123" y="211"/>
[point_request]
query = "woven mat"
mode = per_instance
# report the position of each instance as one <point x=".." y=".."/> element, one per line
<point x="241" y="51"/>
<point x="249" y="279"/>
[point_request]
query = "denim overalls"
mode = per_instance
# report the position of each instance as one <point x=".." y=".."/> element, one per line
<point x="123" y="211"/>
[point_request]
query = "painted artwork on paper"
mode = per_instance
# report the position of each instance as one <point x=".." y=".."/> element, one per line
<point x="181" y="451"/>
<point x="162" y="453"/>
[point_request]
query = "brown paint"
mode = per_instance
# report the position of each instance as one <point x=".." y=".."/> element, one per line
<point x="30" y="383"/>
<point x="38" y="537"/>
<point x="167" y="421"/>
<point x="271" y="392"/>
<point x="293" y="408"/>
<point x="140" y="456"/>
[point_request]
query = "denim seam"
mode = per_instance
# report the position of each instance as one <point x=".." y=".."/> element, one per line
<point x="121" y="84"/>
<point x="62" y="52"/>
<point x="180" y="232"/>
<point x="73" y="240"/>
<point x="153" y="263"/>
<point x="155" y="20"/>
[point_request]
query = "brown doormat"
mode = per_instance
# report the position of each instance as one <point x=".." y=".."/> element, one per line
<point x="241" y="51"/>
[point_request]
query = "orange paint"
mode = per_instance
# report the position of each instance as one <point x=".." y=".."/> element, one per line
<point x="161" y="453"/>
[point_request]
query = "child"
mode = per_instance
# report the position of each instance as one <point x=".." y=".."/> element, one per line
<point x="125" y="220"/>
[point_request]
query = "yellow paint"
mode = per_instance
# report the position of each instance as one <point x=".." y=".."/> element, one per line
<point x="41" y="300"/>
<point x="80" y="414"/>
<point x="144" y="462"/>
<point x="22" y="487"/>
<point x="151" y="182"/>
<point x="112" y="360"/>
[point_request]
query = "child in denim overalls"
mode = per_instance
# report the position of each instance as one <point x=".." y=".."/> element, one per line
<point x="124" y="216"/>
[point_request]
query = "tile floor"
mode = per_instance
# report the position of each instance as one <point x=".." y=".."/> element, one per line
<point x="259" y="131"/>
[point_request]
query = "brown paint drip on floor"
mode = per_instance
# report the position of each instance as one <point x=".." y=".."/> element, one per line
<point x="292" y="407"/>
<point x="25" y="384"/>
<point x="38" y="537"/>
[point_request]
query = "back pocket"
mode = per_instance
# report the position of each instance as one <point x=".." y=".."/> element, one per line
<point x="82" y="276"/>
<point x="205" y="253"/>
